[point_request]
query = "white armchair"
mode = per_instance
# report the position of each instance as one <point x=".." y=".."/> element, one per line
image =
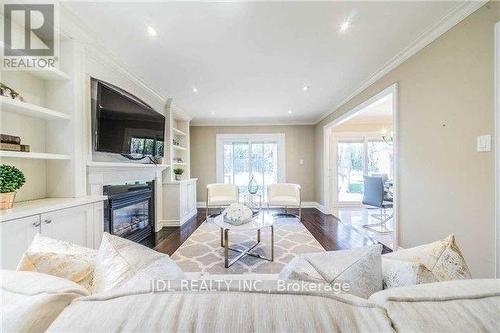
<point x="284" y="195"/>
<point x="221" y="195"/>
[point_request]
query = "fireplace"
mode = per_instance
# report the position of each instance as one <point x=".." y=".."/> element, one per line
<point x="129" y="211"/>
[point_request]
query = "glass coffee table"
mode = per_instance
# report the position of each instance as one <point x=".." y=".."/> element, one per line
<point x="258" y="222"/>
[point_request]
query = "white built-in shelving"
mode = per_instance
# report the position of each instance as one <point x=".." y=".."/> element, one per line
<point x="45" y="120"/>
<point x="31" y="110"/>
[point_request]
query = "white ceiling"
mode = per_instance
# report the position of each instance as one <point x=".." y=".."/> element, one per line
<point x="249" y="61"/>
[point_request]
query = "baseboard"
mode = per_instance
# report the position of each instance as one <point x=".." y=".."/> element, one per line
<point x="314" y="204"/>
<point x="178" y="223"/>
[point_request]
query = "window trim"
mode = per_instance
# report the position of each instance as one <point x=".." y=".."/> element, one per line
<point x="277" y="137"/>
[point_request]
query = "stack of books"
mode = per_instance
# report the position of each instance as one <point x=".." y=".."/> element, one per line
<point x="12" y="143"/>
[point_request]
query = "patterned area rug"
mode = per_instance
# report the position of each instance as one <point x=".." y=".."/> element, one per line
<point x="202" y="251"/>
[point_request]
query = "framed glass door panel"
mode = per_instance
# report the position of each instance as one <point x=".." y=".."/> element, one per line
<point x="380" y="158"/>
<point x="350" y="170"/>
<point x="241" y="159"/>
<point x="270" y="166"/>
<point x="241" y="165"/>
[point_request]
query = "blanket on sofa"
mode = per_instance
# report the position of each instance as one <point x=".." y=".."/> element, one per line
<point x="222" y="310"/>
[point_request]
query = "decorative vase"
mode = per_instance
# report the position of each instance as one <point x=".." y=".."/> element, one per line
<point x="177" y="177"/>
<point x="253" y="187"/>
<point x="7" y="200"/>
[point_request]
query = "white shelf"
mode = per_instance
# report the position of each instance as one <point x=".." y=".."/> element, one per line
<point x="40" y="206"/>
<point x="36" y="156"/>
<point x="179" y="147"/>
<point x="178" y="132"/>
<point x="31" y="110"/>
<point x="175" y="163"/>
<point x="97" y="164"/>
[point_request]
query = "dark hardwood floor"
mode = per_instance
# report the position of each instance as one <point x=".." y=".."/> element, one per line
<point x="327" y="229"/>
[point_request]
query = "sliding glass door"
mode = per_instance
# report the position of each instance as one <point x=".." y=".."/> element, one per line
<point x="357" y="157"/>
<point x="244" y="157"/>
<point x="350" y="170"/>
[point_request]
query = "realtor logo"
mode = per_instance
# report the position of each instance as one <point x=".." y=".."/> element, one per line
<point x="30" y="36"/>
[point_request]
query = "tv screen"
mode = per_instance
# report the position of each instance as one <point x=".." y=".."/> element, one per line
<point x="124" y="124"/>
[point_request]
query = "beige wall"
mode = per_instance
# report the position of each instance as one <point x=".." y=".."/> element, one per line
<point x="446" y="99"/>
<point x="299" y="142"/>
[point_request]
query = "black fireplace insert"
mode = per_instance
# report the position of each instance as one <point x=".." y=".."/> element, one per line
<point x="129" y="211"/>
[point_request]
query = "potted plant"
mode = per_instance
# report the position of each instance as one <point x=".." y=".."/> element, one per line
<point x="11" y="180"/>
<point x="178" y="173"/>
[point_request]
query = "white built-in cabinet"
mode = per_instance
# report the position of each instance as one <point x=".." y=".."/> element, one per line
<point x="82" y="225"/>
<point x="182" y="204"/>
<point x="179" y="196"/>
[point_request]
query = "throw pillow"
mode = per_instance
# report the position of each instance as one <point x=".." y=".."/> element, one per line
<point x="442" y="258"/>
<point x="360" y="268"/>
<point x="399" y="273"/>
<point x="61" y="259"/>
<point x="120" y="260"/>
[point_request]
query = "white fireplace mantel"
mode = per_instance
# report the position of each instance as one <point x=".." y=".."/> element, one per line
<point x="100" y="174"/>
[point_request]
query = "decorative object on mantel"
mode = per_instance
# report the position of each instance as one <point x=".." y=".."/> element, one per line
<point x="178" y="173"/>
<point x="12" y="143"/>
<point x="176" y="142"/>
<point x="253" y="187"/>
<point x="10" y="93"/>
<point x="11" y="179"/>
<point x="237" y="214"/>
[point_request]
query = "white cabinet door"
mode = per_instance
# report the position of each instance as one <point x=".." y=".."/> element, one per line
<point x="16" y="236"/>
<point x="73" y="225"/>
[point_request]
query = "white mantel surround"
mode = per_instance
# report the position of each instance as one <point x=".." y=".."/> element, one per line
<point x="100" y="174"/>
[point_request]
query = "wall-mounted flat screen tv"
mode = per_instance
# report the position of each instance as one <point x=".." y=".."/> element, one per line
<point x="123" y="124"/>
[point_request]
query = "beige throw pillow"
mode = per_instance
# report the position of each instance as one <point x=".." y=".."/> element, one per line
<point x="120" y="260"/>
<point x="360" y="268"/>
<point x="442" y="259"/>
<point x="61" y="259"/>
<point x="399" y="273"/>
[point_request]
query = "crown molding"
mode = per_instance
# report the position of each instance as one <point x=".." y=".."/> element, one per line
<point x="446" y="23"/>
<point x="247" y="124"/>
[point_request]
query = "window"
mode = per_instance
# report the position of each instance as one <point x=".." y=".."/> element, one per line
<point x="239" y="157"/>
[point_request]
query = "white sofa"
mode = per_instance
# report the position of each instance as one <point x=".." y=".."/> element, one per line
<point x="57" y="306"/>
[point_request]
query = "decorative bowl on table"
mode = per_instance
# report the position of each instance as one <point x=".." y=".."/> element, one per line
<point x="237" y="214"/>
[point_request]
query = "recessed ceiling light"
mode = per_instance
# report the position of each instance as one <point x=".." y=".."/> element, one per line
<point x="151" y="31"/>
<point x="212" y="113"/>
<point x="289" y="111"/>
<point x="305" y="88"/>
<point x="195" y="90"/>
<point x="344" y="26"/>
